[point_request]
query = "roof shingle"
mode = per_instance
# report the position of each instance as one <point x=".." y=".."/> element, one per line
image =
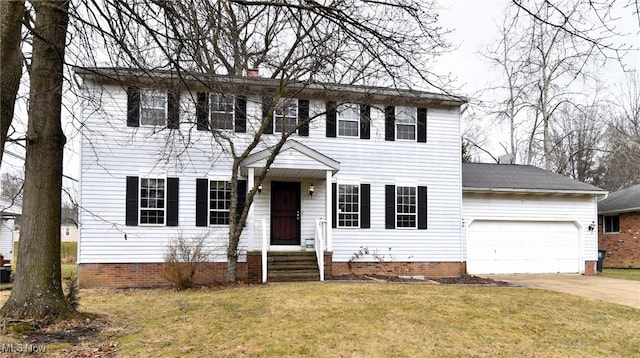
<point x="527" y="178"/>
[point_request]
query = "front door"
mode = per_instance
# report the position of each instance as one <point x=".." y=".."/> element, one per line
<point x="285" y="213"/>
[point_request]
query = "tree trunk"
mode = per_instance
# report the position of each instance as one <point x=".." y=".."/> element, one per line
<point x="37" y="291"/>
<point x="11" y="14"/>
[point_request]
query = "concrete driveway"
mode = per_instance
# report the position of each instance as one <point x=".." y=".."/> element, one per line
<point x="624" y="292"/>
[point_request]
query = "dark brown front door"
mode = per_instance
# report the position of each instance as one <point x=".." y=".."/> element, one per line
<point x="285" y="213"/>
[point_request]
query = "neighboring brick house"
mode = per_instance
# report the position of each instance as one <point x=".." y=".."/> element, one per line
<point x="619" y="228"/>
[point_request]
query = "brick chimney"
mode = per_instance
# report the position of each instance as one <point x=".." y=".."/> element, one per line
<point x="254" y="72"/>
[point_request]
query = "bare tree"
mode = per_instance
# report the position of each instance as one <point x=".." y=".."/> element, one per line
<point x="577" y="146"/>
<point x="623" y="137"/>
<point x="295" y="44"/>
<point x="37" y="291"/>
<point x="544" y="68"/>
<point x="11" y="16"/>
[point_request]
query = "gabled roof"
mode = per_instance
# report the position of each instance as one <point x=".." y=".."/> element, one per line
<point x="267" y="86"/>
<point x="481" y="177"/>
<point x="621" y="201"/>
<point x="294" y="160"/>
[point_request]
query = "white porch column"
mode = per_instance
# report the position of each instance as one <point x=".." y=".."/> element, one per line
<point x="250" y="219"/>
<point x="329" y="208"/>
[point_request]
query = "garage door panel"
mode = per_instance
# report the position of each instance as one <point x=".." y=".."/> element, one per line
<point x="522" y="247"/>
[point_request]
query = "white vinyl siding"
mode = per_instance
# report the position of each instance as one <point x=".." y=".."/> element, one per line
<point x="111" y="152"/>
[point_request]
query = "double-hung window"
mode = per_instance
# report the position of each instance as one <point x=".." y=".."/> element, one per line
<point x="152" y="201"/>
<point x="153" y="107"/>
<point x="219" y="202"/>
<point x="222" y="110"/>
<point x="348" y="205"/>
<point x="285" y="115"/>
<point x="406" y="206"/>
<point x="612" y="224"/>
<point x="348" y="120"/>
<point x="406" y="120"/>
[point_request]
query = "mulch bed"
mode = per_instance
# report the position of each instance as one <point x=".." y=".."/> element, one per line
<point x="461" y="280"/>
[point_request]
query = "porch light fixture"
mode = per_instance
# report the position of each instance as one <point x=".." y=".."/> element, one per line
<point x="592" y="226"/>
<point x="260" y="189"/>
<point x="311" y="190"/>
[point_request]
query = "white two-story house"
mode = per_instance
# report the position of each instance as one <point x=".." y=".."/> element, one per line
<point x="379" y="168"/>
<point x="373" y="183"/>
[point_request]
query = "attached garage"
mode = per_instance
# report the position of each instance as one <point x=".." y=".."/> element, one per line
<point x="495" y="246"/>
<point x="523" y="219"/>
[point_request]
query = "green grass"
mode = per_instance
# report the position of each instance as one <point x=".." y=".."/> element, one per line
<point x="69" y="270"/>
<point x="626" y="274"/>
<point x="355" y="319"/>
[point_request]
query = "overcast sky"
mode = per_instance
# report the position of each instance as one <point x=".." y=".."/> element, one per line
<point x="473" y="26"/>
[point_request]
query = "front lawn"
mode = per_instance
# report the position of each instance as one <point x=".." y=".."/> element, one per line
<point x="356" y="319"/>
<point x="625" y="274"/>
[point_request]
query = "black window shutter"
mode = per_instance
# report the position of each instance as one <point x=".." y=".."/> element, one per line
<point x="331" y="119"/>
<point x="202" y="111"/>
<point x="365" y="206"/>
<point x="303" y="116"/>
<point x="422" y="207"/>
<point x="173" y="185"/>
<point x="334" y="205"/>
<point x="241" y="114"/>
<point x="422" y="125"/>
<point x="267" y="114"/>
<point x="242" y="197"/>
<point x="390" y="123"/>
<point x="202" y="202"/>
<point x="133" y="107"/>
<point x="390" y="206"/>
<point x="173" y="109"/>
<point x="365" y="121"/>
<point x="131" y="210"/>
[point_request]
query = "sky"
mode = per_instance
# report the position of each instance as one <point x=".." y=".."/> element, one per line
<point x="472" y="25"/>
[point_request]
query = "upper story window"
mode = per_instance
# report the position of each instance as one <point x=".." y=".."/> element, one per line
<point x="612" y="224"/>
<point x="67" y="231"/>
<point x="348" y="205"/>
<point x="285" y="115"/>
<point x="219" y="202"/>
<point x="348" y="120"/>
<point x="222" y="110"/>
<point x="153" y="107"/>
<point x="152" y="201"/>
<point x="406" y="123"/>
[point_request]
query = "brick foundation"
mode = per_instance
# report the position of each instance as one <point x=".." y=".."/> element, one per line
<point x="427" y="269"/>
<point x="590" y="268"/>
<point x="623" y="248"/>
<point x="148" y="274"/>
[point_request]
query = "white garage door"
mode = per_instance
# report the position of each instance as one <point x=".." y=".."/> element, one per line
<point x="522" y="247"/>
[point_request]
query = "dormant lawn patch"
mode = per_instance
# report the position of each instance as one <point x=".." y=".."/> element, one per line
<point x="358" y="319"/>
